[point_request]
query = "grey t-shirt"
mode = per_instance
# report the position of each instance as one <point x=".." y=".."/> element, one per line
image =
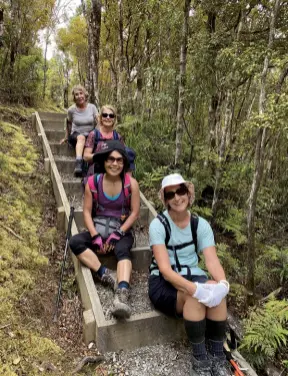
<point x="83" y="122"/>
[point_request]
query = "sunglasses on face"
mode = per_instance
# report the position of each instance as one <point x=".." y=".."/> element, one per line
<point x="105" y="115"/>
<point x="181" y="191"/>
<point x="111" y="160"/>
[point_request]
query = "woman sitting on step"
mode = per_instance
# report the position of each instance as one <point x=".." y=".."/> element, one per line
<point x="107" y="122"/>
<point x="179" y="287"/>
<point x="81" y="120"/>
<point x="111" y="206"/>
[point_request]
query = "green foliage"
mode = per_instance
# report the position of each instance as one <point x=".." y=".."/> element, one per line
<point x="271" y="267"/>
<point x="22" y="350"/>
<point x="266" y="331"/>
<point x="233" y="221"/>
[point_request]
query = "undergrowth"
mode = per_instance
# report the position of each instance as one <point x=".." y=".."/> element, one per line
<point x="22" y="350"/>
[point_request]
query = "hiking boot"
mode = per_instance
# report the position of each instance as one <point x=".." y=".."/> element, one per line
<point x="200" y="367"/>
<point x="108" y="279"/>
<point x="220" y="366"/>
<point x="78" y="168"/>
<point x="120" y="308"/>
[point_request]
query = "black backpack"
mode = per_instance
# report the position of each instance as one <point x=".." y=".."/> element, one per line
<point x="194" y="225"/>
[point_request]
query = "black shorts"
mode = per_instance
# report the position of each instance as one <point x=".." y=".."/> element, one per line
<point x="72" y="139"/>
<point x="163" y="295"/>
<point x="80" y="242"/>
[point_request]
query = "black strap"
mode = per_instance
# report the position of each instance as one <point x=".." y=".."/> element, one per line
<point x="194" y="225"/>
<point x="164" y="220"/>
<point x="194" y="219"/>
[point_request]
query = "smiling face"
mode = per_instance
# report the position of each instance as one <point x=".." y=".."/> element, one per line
<point x="107" y="117"/>
<point x="79" y="97"/>
<point x="114" y="163"/>
<point x="176" y="196"/>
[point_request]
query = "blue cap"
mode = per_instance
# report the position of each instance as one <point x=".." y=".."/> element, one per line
<point x="131" y="157"/>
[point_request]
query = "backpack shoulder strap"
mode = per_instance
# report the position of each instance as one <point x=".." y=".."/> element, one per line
<point x="127" y="190"/>
<point x="164" y="220"/>
<point x="97" y="136"/>
<point x="115" y="135"/>
<point x="194" y="219"/>
<point x="92" y="182"/>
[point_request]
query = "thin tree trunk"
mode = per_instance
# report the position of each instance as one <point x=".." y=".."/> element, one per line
<point x="93" y="31"/>
<point x="222" y="150"/>
<point x="182" y="82"/>
<point x="47" y="37"/>
<point x="121" y="63"/>
<point x="258" y="165"/>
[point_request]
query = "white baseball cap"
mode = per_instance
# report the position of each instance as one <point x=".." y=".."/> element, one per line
<point x="173" y="179"/>
<point x="176" y="179"/>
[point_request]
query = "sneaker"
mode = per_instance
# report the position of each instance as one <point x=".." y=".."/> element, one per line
<point x="108" y="279"/>
<point x="120" y="308"/>
<point x="200" y="367"/>
<point x="78" y="168"/>
<point x="220" y="366"/>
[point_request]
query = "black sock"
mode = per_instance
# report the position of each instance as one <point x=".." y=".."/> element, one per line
<point x="123" y="285"/>
<point x="101" y="271"/>
<point x="215" y="334"/>
<point x="196" y="334"/>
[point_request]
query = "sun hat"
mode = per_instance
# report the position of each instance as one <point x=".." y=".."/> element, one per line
<point x="105" y="148"/>
<point x="176" y="179"/>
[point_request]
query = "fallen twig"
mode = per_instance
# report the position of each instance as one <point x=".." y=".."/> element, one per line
<point x="5" y="326"/>
<point x="11" y="231"/>
<point x="85" y="360"/>
<point x="271" y="295"/>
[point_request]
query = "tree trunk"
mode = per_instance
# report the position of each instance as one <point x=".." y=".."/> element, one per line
<point x="1" y="26"/>
<point x="47" y="37"/>
<point x="258" y="165"/>
<point x="222" y="150"/>
<point x="182" y="82"/>
<point x="121" y="63"/>
<point x="93" y="30"/>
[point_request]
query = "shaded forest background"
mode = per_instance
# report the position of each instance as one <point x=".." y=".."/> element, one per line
<point x="200" y="87"/>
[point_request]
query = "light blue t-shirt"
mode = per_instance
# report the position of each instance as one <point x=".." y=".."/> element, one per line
<point x="186" y="255"/>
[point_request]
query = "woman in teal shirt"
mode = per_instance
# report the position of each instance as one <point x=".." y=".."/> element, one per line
<point x="179" y="287"/>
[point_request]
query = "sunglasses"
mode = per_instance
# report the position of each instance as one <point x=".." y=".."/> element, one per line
<point x="119" y="160"/>
<point x="181" y="191"/>
<point x="105" y="115"/>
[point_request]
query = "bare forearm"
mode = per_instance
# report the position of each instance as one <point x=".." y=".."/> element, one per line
<point x="89" y="223"/>
<point x="88" y="156"/>
<point x="216" y="270"/>
<point x="179" y="282"/>
<point x="129" y="221"/>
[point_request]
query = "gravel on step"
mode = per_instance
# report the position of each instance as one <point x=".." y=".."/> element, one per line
<point x="139" y="300"/>
<point x="159" y="360"/>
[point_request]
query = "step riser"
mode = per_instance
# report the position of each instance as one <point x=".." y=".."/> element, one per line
<point x="52" y="116"/>
<point x="65" y="167"/>
<point x="53" y="125"/>
<point x="73" y="188"/>
<point x="53" y="136"/>
<point x="64" y="150"/>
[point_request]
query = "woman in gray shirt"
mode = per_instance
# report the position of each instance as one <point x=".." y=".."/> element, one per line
<point x="81" y="119"/>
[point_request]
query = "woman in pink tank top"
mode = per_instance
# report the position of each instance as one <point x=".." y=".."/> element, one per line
<point x="111" y="206"/>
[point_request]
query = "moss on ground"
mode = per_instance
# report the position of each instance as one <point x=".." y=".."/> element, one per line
<point x="22" y="350"/>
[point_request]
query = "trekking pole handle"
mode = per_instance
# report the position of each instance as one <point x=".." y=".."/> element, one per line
<point x="68" y="234"/>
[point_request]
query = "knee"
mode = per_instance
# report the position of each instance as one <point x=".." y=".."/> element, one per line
<point x="75" y="245"/>
<point x="81" y="139"/>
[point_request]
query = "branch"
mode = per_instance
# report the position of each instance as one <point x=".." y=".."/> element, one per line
<point x="11" y="231"/>
<point x="85" y="360"/>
